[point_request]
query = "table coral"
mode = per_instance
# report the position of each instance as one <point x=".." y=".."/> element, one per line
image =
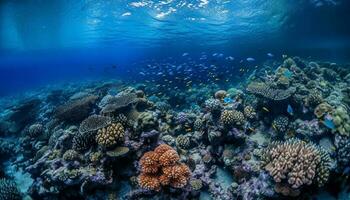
<point x="266" y="91"/>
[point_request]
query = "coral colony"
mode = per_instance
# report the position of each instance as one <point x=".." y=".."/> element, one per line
<point x="282" y="133"/>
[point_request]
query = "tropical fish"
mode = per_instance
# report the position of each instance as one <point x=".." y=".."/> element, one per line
<point x="265" y="109"/>
<point x="290" y="109"/>
<point x="328" y="122"/>
<point x="185" y="54"/>
<point x="230" y="58"/>
<point x="270" y="55"/>
<point x="287" y="73"/>
<point x="250" y="59"/>
<point x="228" y="100"/>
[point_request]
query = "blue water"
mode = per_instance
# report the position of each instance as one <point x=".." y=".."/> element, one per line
<point x="44" y="42"/>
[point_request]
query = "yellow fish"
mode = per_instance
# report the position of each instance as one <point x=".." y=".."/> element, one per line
<point x="265" y="109"/>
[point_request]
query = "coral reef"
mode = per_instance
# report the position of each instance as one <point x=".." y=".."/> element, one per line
<point x="281" y="133"/>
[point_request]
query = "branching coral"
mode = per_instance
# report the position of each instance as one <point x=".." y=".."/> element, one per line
<point x="111" y="135"/>
<point x="9" y="190"/>
<point x="264" y="90"/>
<point x="161" y="167"/>
<point x="296" y="164"/>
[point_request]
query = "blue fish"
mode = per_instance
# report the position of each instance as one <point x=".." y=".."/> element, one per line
<point x="328" y="122"/>
<point x="250" y="59"/>
<point x="228" y="100"/>
<point x="290" y="109"/>
<point x="288" y="73"/>
<point x="270" y="55"/>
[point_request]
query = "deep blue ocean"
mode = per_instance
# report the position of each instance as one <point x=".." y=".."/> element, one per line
<point x="49" y="41"/>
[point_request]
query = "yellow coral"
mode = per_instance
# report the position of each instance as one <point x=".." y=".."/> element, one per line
<point x="111" y="135"/>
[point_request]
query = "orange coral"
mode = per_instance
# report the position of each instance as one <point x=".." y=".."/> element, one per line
<point x="169" y="158"/>
<point x="149" y="162"/>
<point x="162" y="167"/>
<point x="162" y="149"/>
<point x="149" y="181"/>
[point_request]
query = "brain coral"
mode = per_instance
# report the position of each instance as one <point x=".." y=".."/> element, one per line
<point x="111" y="135"/>
<point x="161" y="167"/>
<point x="9" y="190"/>
<point x="264" y="90"/>
<point x="296" y="163"/>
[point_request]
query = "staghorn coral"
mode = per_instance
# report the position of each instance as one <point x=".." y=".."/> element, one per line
<point x="161" y="167"/>
<point x="341" y="120"/>
<point x="9" y="190"/>
<point x="232" y="117"/>
<point x="76" y="110"/>
<point x="110" y="135"/>
<point x="295" y="163"/>
<point x="264" y="90"/>
<point x="93" y="123"/>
